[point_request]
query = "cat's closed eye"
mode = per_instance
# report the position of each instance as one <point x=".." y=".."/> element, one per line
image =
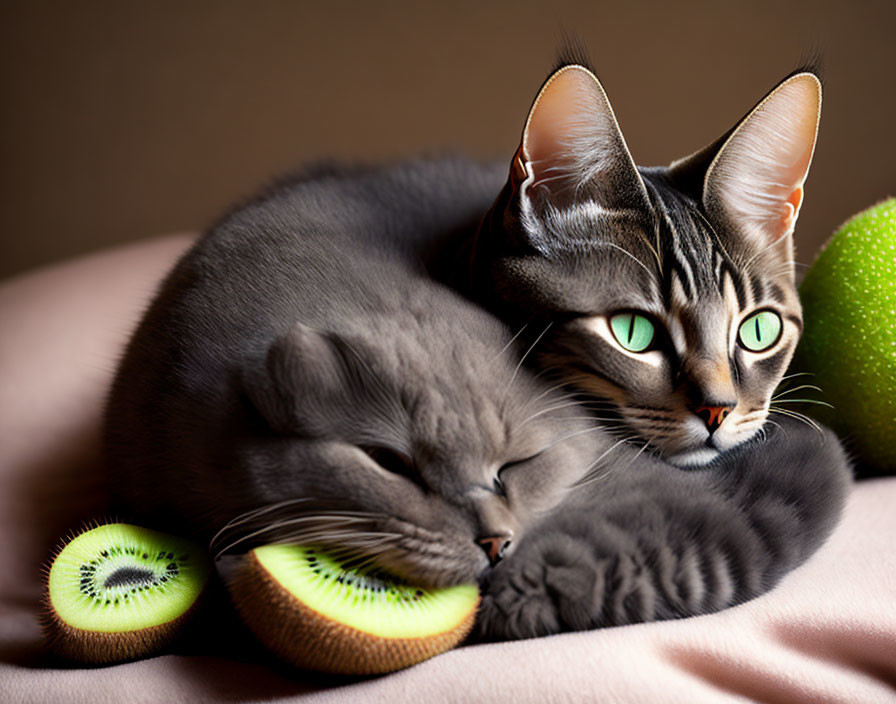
<point x="507" y="469"/>
<point x="393" y="461"/>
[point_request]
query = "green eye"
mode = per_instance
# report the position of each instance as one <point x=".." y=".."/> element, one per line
<point x="760" y="331"/>
<point x="633" y="331"/>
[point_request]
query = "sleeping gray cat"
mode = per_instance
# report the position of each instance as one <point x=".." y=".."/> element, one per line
<point x="300" y="360"/>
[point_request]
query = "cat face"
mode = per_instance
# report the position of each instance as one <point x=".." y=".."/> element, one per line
<point x="669" y="291"/>
<point x="419" y="445"/>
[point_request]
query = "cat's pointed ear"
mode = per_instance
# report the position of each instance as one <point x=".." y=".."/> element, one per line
<point x="572" y="147"/>
<point x="301" y="371"/>
<point x="753" y="178"/>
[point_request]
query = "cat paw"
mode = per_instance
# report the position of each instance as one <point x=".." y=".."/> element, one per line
<point x="549" y="585"/>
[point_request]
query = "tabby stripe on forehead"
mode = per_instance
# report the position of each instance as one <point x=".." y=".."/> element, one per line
<point x="686" y="265"/>
<point x="738" y="282"/>
<point x="757" y="288"/>
<point x="777" y="293"/>
<point x="674" y="268"/>
<point x="717" y="261"/>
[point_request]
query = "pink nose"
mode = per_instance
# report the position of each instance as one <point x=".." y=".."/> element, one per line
<point x="495" y="546"/>
<point x="713" y="415"/>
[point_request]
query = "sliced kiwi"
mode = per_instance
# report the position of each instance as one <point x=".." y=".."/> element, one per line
<point x="327" y="614"/>
<point x="118" y="592"/>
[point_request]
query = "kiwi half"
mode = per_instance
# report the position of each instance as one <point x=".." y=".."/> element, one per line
<point x="118" y="592"/>
<point x="322" y="613"/>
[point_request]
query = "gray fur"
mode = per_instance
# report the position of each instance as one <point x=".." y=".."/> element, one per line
<point x="646" y="542"/>
<point x="301" y="376"/>
<point x="299" y="358"/>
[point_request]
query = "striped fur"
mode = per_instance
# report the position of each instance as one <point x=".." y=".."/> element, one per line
<point x="575" y="238"/>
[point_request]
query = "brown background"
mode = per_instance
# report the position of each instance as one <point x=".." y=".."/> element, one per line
<point x="123" y="119"/>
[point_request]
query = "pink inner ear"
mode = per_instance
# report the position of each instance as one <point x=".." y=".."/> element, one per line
<point x="796" y="199"/>
<point x="562" y="109"/>
<point x="792" y="208"/>
<point x="757" y="177"/>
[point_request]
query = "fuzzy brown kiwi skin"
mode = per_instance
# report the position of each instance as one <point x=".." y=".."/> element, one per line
<point x="303" y="637"/>
<point x="99" y="648"/>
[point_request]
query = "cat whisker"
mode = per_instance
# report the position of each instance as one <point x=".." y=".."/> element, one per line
<point x="316" y="520"/>
<point x="575" y="434"/>
<point x="759" y="252"/>
<point x="777" y="425"/>
<point x="242" y="518"/>
<point x="523" y="359"/>
<point x="595" y="418"/>
<point x="795" y="389"/>
<point x="775" y="403"/>
<point x="549" y="391"/>
<point x="795" y="374"/>
<point x="590" y="474"/>
<point x="797" y="416"/>
<point x="358" y="539"/>
<point x="509" y="344"/>
<point x="626" y="252"/>
<point x="256" y="514"/>
<point x="311" y="537"/>
<point x="549" y="409"/>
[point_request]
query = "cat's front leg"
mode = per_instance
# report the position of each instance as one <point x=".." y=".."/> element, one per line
<point x="657" y="542"/>
<point x="558" y="581"/>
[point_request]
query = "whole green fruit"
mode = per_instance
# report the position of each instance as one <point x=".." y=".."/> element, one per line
<point x="849" y="338"/>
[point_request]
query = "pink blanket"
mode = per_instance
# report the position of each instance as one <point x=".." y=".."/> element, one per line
<point x="826" y="634"/>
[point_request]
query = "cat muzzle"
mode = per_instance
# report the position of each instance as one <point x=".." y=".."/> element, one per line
<point x="495" y="546"/>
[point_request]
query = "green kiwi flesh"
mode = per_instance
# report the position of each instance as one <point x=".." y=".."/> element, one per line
<point x="323" y="613"/>
<point x="118" y="592"/>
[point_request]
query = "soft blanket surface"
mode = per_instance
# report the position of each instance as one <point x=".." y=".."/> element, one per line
<point x="826" y="634"/>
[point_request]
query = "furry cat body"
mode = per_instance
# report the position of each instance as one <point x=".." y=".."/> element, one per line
<point x="291" y="358"/>
<point x="229" y="403"/>
<point x="303" y="376"/>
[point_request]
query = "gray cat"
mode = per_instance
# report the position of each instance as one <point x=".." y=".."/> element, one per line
<point x="300" y="359"/>
<point x="302" y="376"/>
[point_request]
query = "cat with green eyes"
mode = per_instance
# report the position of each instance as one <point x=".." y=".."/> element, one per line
<point x="665" y="296"/>
<point x="665" y="292"/>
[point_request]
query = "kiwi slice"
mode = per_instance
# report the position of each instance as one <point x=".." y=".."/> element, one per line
<point x="323" y="613"/>
<point x="118" y="592"/>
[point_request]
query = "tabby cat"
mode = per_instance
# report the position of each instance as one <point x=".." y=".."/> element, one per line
<point x="302" y="376"/>
<point x="667" y="296"/>
<point x="669" y="291"/>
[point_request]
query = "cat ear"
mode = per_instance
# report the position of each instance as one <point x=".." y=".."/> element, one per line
<point x="302" y="369"/>
<point x="754" y="179"/>
<point x="572" y="147"/>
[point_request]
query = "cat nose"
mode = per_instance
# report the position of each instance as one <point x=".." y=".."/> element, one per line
<point x="713" y="415"/>
<point x="496" y="545"/>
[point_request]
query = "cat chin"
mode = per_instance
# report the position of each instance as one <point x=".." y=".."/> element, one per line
<point x="693" y="458"/>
